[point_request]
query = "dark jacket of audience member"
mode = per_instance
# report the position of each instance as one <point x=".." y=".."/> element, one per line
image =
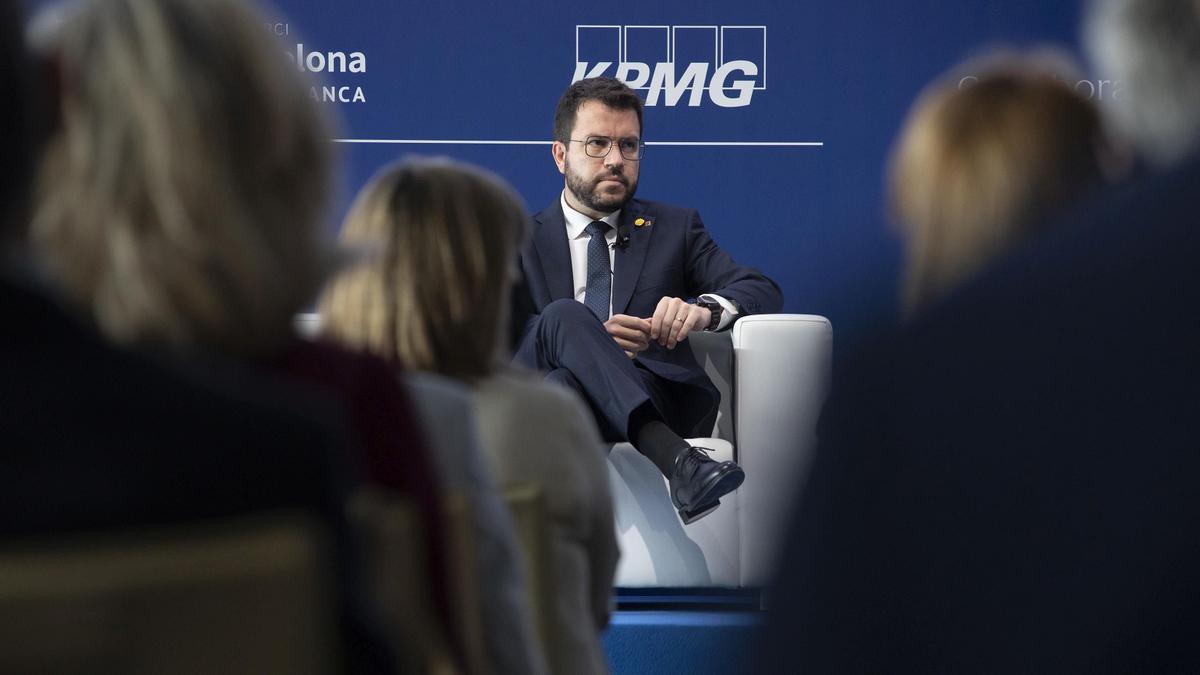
<point x="1008" y="484"/>
<point x="181" y="207"/>
<point x="97" y="438"/>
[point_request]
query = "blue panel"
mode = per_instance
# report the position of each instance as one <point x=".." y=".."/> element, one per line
<point x="842" y="73"/>
<point x="687" y="643"/>
<point x="598" y="43"/>
<point x="746" y="43"/>
<point x="648" y="44"/>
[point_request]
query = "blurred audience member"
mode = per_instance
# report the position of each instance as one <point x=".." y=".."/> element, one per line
<point x="982" y="164"/>
<point x="101" y="438"/>
<point x="1152" y="47"/>
<point x="433" y="298"/>
<point x="181" y="203"/>
<point x="180" y="206"/>
<point x="447" y="406"/>
<point x="17" y="125"/>
<point x="1007" y="484"/>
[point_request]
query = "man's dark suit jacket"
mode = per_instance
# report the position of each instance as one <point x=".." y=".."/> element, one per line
<point x="1012" y="483"/>
<point x="672" y="256"/>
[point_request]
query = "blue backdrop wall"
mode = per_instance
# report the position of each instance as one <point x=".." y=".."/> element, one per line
<point x="839" y="74"/>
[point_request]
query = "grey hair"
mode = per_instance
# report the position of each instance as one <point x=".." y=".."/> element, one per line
<point x="1153" y="48"/>
<point x="181" y="200"/>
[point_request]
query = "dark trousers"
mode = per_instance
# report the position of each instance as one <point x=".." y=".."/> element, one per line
<point x="571" y="346"/>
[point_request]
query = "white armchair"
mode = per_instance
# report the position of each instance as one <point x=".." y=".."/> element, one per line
<point x="773" y="374"/>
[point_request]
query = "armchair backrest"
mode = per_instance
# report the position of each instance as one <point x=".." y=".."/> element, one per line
<point x="781" y="378"/>
<point x="714" y="351"/>
<point x="789" y="353"/>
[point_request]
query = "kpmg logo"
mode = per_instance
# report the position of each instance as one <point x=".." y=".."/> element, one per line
<point x="671" y="63"/>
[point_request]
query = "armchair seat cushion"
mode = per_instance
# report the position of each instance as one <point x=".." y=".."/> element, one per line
<point x="772" y="371"/>
<point x="657" y="549"/>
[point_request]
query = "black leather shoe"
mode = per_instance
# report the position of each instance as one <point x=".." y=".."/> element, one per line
<point x="698" y="483"/>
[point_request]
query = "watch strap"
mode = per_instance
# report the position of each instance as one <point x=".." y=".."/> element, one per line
<point x="715" y="310"/>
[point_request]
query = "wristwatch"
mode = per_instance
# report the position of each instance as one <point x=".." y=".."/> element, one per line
<point x="714" y="307"/>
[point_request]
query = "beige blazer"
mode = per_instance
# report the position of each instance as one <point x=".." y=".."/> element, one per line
<point x="536" y="432"/>
<point x="510" y="641"/>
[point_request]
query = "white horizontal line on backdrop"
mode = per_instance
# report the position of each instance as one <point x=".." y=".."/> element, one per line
<point x="447" y="141"/>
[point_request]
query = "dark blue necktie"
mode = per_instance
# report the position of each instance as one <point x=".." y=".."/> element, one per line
<point x="599" y="274"/>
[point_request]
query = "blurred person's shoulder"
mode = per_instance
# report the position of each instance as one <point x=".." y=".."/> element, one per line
<point x="1116" y="263"/>
<point x="329" y="362"/>
<point x="521" y="401"/>
<point x="1064" y="328"/>
<point x="524" y="394"/>
<point x="362" y="380"/>
<point x="1109" y="285"/>
<point x="124" y="437"/>
<point x="533" y="429"/>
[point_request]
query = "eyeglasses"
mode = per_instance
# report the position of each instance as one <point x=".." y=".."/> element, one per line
<point x="599" y="146"/>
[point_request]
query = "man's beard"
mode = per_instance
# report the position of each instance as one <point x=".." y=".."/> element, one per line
<point x="588" y="194"/>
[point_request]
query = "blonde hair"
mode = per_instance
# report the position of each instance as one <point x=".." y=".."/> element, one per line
<point x="441" y="239"/>
<point x="181" y="201"/>
<point x="982" y="161"/>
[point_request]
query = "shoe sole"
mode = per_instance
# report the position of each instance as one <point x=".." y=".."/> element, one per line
<point x="689" y="517"/>
<point x="710" y="497"/>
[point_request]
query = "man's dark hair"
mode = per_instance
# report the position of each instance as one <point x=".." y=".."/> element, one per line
<point x="609" y="91"/>
<point x="16" y="163"/>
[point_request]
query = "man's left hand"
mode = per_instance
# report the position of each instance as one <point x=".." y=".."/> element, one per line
<point x="674" y="318"/>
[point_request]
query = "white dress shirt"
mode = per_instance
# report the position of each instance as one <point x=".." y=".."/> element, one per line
<point x="578" y="239"/>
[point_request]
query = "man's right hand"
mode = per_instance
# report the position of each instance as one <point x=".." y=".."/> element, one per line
<point x="631" y="333"/>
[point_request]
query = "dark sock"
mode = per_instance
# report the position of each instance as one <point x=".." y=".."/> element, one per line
<point x="654" y="439"/>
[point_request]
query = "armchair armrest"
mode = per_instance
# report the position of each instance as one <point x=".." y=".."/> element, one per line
<point x="781" y="370"/>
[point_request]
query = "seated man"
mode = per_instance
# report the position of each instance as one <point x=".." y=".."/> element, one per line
<point x="615" y="285"/>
